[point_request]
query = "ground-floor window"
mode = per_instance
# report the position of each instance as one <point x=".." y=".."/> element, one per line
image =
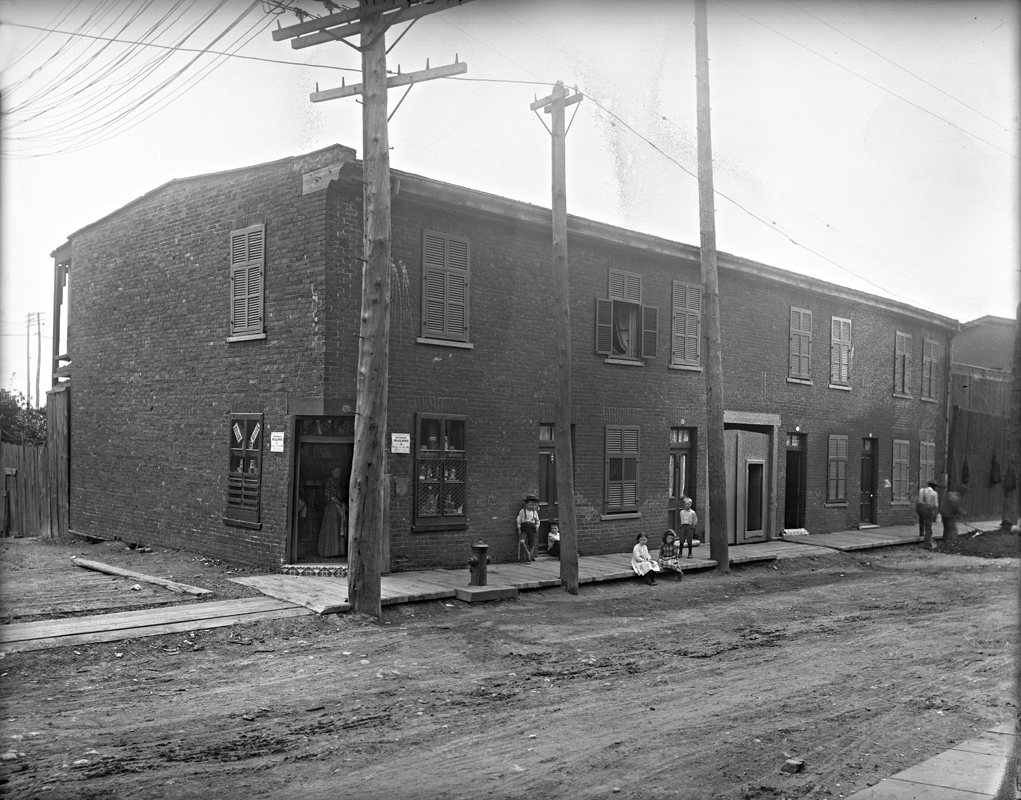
<point x="926" y="463"/>
<point x="621" y="469"/>
<point x="901" y="465"/>
<point x="441" y="491"/>
<point x="836" y="470"/>
<point x="244" y="476"/>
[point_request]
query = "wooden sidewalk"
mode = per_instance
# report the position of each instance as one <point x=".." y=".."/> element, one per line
<point x="22" y="636"/>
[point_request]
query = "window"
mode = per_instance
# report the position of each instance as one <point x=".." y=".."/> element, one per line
<point x="244" y="479"/>
<point x="840" y="351"/>
<point x="930" y="369"/>
<point x="625" y="329"/>
<point x="926" y="463"/>
<point x="686" y="347"/>
<point x="441" y="489"/>
<point x="800" y="367"/>
<point x="902" y="364"/>
<point x="621" y="469"/>
<point x="901" y="464"/>
<point x="547" y="468"/>
<point x="445" y="287"/>
<point x="247" y="278"/>
<point x="836" y="472"/>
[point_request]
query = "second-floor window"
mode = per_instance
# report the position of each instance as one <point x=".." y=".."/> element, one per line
<point x="686" y="343"/>
<point x="930" y="369"/>
<point x="247" y="279"/>
<point x="840" y="351"/>
<point x="800" y="367"/>
<point x="445" y="286"/>
<point x="625" y="328"/>
<point x="902" y="364"/>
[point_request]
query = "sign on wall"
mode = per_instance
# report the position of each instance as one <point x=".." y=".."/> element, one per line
<point x="400" y="442"/>
<point x="276" y="442"/>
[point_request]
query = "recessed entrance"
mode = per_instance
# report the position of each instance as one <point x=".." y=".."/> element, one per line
<point x="325" y="446"/>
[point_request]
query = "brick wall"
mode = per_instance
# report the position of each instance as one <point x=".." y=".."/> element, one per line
<point x="155" y="380"/>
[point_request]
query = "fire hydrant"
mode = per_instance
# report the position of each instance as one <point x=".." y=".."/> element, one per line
<point x="477" y="563"/>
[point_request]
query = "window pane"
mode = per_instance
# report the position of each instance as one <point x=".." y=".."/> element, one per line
<point x="683" y="488"/>
<point x="672" y="476"/>
<point x="546" y="433"/>
<point x="630" y="469"/>
<point x="237" y="462"/>
<point x="625" y="328"/>
<point x="428" y="499"/>
<point x="454" y="437"/>
<point x="429" y="435"/>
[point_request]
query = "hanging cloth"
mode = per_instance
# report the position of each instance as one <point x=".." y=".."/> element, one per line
<point x="994" y="471"/>
<point x="965" y="472"/>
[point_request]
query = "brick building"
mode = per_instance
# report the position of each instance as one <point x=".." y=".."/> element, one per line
<point x="212" y="353"/>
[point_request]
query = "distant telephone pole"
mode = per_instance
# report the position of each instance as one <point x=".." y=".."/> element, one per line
<point x="38" y="354"/>
<point x="371" y="19"/>
<point x="28" y="359"/>
<point x="554" y="105"/>
<point x="719" y="549"/>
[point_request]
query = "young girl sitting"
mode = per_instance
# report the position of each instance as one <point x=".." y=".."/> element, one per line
<point x="670" y="554"/>
<point x="642" y="563"/>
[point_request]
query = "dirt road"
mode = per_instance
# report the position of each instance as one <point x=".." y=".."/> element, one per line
<point x="859" y="664"/>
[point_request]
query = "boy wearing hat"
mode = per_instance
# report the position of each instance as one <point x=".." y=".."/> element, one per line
<point x="528" y="526"/>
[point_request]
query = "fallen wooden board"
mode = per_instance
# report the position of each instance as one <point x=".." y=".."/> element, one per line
<point x="174" y="586"/>
<point x="20" y="631"/>
<point x="95" y="637"/>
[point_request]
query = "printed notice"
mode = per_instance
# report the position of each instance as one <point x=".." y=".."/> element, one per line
<point x="400" y="442"/>
<point x="276" y="441"/>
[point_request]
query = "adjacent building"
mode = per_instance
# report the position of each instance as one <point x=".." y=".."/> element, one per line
<point x="212" y="355"/>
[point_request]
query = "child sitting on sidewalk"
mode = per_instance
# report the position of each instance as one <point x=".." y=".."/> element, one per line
<point x="670" y="554"/>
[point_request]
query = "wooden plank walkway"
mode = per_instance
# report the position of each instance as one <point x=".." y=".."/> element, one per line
<point x="135" y="624"/>
<point x="971" y="770"/>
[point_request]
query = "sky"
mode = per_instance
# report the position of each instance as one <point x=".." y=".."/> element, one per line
<point x="873" y="144"/>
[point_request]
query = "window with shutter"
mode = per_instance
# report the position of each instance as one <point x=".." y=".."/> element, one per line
<point x="445" y="286"/>
<point x="621" y="469"/>
<point x="930" y="369"/>
<point x="902" y="364"/>
<point x="625" y="328"/>
<point x="836" y="473"/>
<point x="244" y="472"/>
<point x="800" y="367"/>
<point x="685" y="347"/>
<point x="247" y="278"/>
<point x="901" y="470"/>
<point x="926" y="463"/>
<point x="840" y="351"/>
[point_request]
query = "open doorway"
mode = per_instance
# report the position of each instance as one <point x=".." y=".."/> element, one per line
<point x="322" y="464"/>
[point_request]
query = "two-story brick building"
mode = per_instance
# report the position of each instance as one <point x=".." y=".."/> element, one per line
<point x="212" y="348"/>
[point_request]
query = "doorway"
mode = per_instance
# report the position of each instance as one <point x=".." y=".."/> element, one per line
<point x="794" y="485"/>
<point x="867" y="502"/>
<point x="681" y="474"/>
<point x="548" y="509"/>
<point x="322" y="474"/>
<point x="747" y="456"/>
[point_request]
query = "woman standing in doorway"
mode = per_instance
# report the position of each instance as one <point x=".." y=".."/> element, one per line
<point x="333" y="530"/>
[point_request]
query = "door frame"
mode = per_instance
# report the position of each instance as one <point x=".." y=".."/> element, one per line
<point x="870" y="457"/>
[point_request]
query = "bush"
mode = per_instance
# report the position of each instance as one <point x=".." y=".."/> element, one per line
<point x="20" y="424"/>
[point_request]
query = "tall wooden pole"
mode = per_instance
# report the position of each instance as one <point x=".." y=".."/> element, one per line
<point x="367" y="472"/>
<point x="28" y="360"/>
<point x="562" y="337"/>
<point x="719" y="550"/>
<point x="38" y="356"/>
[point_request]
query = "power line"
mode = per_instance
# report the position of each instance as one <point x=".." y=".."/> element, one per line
<point x="905" y="69"/>
<point x="870" y="81"/>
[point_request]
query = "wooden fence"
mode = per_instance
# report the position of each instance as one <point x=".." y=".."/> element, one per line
<point x="25" y="506"/>
<point x="978" y="460"/>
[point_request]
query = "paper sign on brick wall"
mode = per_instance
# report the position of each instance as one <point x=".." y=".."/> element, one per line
<point x="276" y="442"/>
<point x="400" y="442"/>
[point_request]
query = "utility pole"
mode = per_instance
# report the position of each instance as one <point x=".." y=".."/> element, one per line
<point x="28" y="360"/>
<point x="719" y="550"/>
<point x="38" y="355"/>
<point x="370" y="19"/>
<point x="554" y="105"/>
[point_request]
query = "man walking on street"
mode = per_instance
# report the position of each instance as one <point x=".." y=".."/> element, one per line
<point x="927" y="506"/>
